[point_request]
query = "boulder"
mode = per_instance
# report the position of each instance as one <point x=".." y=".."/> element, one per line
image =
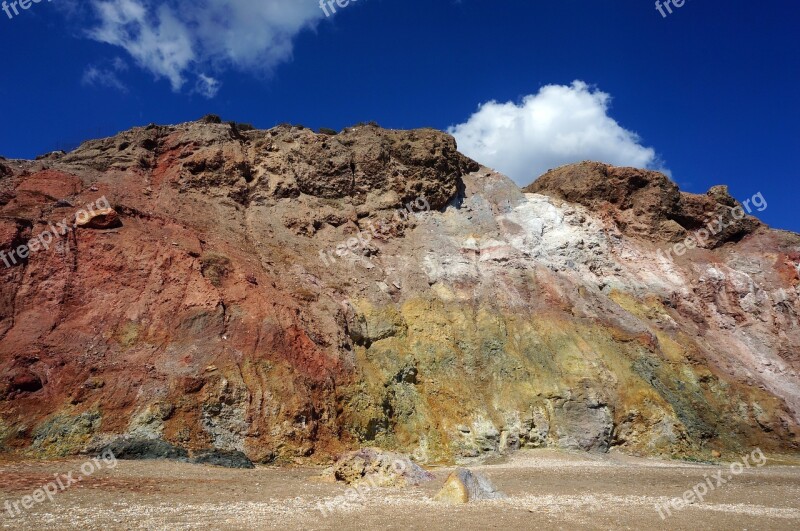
<point x="378" y="468"/>
<point x="464" y="486"/>
<point x="223" y="458"/>
<point x="138" y="449"/>
<point x="106" y="218"/>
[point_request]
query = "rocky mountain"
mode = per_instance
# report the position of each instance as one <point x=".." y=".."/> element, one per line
<point x="294" y="295"/>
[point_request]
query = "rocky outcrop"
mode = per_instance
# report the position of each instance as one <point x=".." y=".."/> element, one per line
<point x="293" y="296"/>
<point x="646" y="203"/>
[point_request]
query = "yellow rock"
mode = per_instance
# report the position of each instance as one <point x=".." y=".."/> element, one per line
<point x="464" y="486"/>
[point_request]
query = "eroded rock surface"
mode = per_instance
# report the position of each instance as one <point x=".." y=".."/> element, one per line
<point x="645" y="202"/>
<point x="219" y="314"/>
<point x="378" y="468"/>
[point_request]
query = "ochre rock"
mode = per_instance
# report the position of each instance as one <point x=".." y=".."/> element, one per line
<point x="464" y="486"/>
<point x="378" y="468"/>
<point x="105" y="218"/>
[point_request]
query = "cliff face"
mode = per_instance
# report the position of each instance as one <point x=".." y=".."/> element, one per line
<point x="293" y="295"/>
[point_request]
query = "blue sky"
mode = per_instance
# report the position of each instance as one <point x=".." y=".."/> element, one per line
<point x="707" y="93"/>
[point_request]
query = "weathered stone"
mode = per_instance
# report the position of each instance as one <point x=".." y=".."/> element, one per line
<point x="149" y="423"/>
<point x="23" y="380"/>
<point x="63" y="435"/>
<point x="645" y="202"/>
<point x="222" y="458"/>
<point x="379" y="468"/>
<point x="127" y="448"/>
<point x="583" y="425"/>
<point x="464" y="486"/>
<point x="106" y="218"/>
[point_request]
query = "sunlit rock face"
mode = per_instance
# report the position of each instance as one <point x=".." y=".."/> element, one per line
<point x="293" y="295"/>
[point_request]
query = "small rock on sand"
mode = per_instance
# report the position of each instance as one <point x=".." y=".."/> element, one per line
<point x="106" y="218"/>
<point x="375" y="466"/>
<point x="464" y="486"/>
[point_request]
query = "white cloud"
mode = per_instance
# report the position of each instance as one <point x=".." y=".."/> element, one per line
<point x="207" y="86"/>
<point x="156" y="39"/>
<point x="559" y="125"/>
<point x="106" y="75"/>
<point x="175" y="39"/>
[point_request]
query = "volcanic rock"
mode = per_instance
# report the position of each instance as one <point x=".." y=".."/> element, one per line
<point x="222" y="458"/>
<point x="378" y="468"/>
<point x="464" y="486"/>
<point x="251" y="304"/>
<point x="645" y="203"/>
<point x="132" y="449"/>
<point x="106" y="218"/>
<point x="24" y="381"/>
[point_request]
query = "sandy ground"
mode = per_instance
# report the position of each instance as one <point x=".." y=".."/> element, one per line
<point x="549" y="489"/>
